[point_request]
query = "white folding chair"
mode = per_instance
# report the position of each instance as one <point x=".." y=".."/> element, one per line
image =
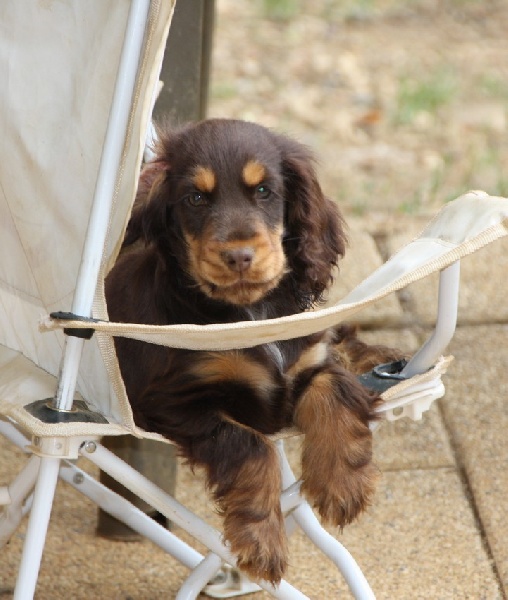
<point x="67" y="182"/>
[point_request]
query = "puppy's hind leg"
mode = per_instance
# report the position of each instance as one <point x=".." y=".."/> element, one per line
<point x="333" y="411"/>
<point x="243" y="471"/>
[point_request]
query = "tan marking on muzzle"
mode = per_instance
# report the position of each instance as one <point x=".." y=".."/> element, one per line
<point x="217" y="280"/>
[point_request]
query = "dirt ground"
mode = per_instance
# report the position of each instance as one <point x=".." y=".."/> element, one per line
<point x="403" y="101"/>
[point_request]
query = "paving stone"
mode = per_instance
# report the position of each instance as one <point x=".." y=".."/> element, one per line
<point x="407" y="444"/>
<point x="418" y="540"/>
<point x="477" y="419"/>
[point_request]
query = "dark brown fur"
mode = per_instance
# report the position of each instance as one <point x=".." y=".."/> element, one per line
<point x="230" y="224"/>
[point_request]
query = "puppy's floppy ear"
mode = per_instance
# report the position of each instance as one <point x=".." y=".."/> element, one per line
<point x="144" y="215"/>
<point x="314" y="237"/>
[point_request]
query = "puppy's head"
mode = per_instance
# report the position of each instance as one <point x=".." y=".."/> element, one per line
<point x="240" y="208"/>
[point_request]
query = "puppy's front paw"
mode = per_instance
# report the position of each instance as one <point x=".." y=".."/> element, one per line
<point x="259" y="542"/>
<point x="344" y="494"/>
<point x="253" y="520"/>
<point x="338" y="475"/>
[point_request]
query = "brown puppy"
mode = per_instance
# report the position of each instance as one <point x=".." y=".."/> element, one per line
<point x="230" y="224"/>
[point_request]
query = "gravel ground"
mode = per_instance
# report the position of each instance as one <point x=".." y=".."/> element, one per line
<point x="403" y="101"/>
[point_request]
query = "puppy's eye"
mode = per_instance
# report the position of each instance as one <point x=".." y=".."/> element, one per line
<point x="263" y="192"/>
<point x="196" y="199"/>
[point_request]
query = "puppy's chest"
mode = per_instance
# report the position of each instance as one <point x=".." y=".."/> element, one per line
<point x="290" y="357"/>
<point x="278" y="354"/>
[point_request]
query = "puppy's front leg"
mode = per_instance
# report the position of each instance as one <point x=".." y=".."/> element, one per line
<point x="333" y="411"/>
<point x="243" y="471"/>
<point x="203" y="404"/>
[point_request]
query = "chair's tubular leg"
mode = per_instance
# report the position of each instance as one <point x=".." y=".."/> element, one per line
<point x="150" y="493"/>
<point x="310" y="525"/>
<point x="290" y="524"/>
<point x="448" y="299"/>
<point x="103" y="197"/>
<point x="10" y="432"/>
<point x="176" y="512"/>
<point x="199" y="577"/>
<point x="335" y="551"/>
<point x="136" y="519"/>
<point x="37" y="528"/>
<point x="291" y="497"/>
<point x="108" y="500"/>
<point x="17" y="492"/>
<point x="71" y="357"/>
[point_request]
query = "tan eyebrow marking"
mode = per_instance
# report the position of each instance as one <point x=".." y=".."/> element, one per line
<point x="204" y="179"/>
<point x="253" y="173"/>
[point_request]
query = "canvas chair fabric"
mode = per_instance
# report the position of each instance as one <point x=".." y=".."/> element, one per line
<point x="58" y="66"/>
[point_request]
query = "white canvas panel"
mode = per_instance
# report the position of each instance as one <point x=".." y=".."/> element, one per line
<point x="58" y="66"/>
<point x="58" y="62"/>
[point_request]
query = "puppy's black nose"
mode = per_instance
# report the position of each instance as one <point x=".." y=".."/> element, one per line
<point x="239" y="259"/>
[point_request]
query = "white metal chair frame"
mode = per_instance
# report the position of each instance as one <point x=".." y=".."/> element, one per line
<point x="51" y="456"/>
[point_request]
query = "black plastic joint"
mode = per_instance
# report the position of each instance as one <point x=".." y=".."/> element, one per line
<point x="85" y="333"/>
<point x="384" y="376"/>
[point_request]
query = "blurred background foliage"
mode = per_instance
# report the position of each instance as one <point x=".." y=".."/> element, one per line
<point x="403" y="101"/>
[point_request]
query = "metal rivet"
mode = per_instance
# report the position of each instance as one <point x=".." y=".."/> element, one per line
<point x="90" y="447"/>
